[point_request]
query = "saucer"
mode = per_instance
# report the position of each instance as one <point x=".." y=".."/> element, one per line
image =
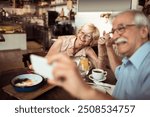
<point x="91" y="78"/>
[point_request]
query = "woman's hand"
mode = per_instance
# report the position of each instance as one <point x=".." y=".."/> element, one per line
<point x="101" y="41"/>
<point x="106" y="40"/>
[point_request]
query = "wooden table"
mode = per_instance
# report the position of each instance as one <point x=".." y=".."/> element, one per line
<point x="55" y="93"/>
<point x="50" y="93"/>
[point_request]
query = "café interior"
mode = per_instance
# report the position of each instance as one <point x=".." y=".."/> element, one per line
<point x="32" y="26"/>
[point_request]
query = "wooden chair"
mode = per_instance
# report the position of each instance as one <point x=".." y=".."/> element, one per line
<point x="26" y="57"/>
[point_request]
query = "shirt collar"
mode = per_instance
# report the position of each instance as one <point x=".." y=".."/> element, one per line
<point x="137" y="58"/>
<point x="73" y="42"/>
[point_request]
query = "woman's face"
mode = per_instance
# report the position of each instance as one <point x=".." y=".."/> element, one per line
<point x="84" y="37"/>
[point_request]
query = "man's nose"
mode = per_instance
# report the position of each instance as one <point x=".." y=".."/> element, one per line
<point x="116" y="35"/>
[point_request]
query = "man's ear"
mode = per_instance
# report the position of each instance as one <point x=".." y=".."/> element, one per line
<point x="144" y="31"/>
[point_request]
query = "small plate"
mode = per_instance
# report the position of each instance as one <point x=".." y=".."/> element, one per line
<point x="91" y="78"/>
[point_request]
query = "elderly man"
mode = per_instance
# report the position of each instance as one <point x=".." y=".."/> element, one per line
<point x="130" y="35"/>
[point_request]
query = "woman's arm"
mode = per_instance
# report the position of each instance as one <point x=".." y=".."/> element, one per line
<point x="102" y="54"/>
<point x="106" y="50"/>
<point x="114" y="59"/>
<point x="93" y="57"/>
<point x="55" y="48"/>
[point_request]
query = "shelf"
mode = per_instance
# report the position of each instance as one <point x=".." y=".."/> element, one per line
<point x="54" y="5"/>
<point x="61" y="4"/>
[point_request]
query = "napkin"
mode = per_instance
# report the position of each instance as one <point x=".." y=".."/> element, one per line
<point x="104" y="87"/>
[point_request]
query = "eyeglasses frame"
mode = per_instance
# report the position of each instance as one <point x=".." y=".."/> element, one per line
<point x="123" y="27"/>
<point x="86" y="35"/>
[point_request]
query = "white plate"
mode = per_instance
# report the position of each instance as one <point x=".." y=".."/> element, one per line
<point x="91" y="78"/>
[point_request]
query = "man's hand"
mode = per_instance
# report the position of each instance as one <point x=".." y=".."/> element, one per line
<point x="66" y="75"/>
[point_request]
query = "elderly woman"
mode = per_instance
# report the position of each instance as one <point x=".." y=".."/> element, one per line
<point x="78" y="45"/>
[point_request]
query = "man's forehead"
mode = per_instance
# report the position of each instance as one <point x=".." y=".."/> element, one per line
<point x="125" y="18"/>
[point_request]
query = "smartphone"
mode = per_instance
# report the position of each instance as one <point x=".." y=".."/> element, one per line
<point x="40" y="66"/>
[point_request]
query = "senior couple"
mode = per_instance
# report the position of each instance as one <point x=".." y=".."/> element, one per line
<point x="130" y="36"/>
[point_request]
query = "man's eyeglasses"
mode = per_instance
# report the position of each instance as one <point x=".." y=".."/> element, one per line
<point x="86" y="36"/>
<point x="121" y="29"/>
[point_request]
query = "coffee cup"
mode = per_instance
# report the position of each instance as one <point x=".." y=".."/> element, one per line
<point x="98" y="74"/>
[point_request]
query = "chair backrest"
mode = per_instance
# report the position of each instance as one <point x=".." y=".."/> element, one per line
<point x="26" y="57"/>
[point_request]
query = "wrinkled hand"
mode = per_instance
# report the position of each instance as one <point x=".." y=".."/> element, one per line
<point x="109" y="40"/>
<point x="66" y="74"/>
<point x="106" y="40"/>
<point x="101" y="41"/>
